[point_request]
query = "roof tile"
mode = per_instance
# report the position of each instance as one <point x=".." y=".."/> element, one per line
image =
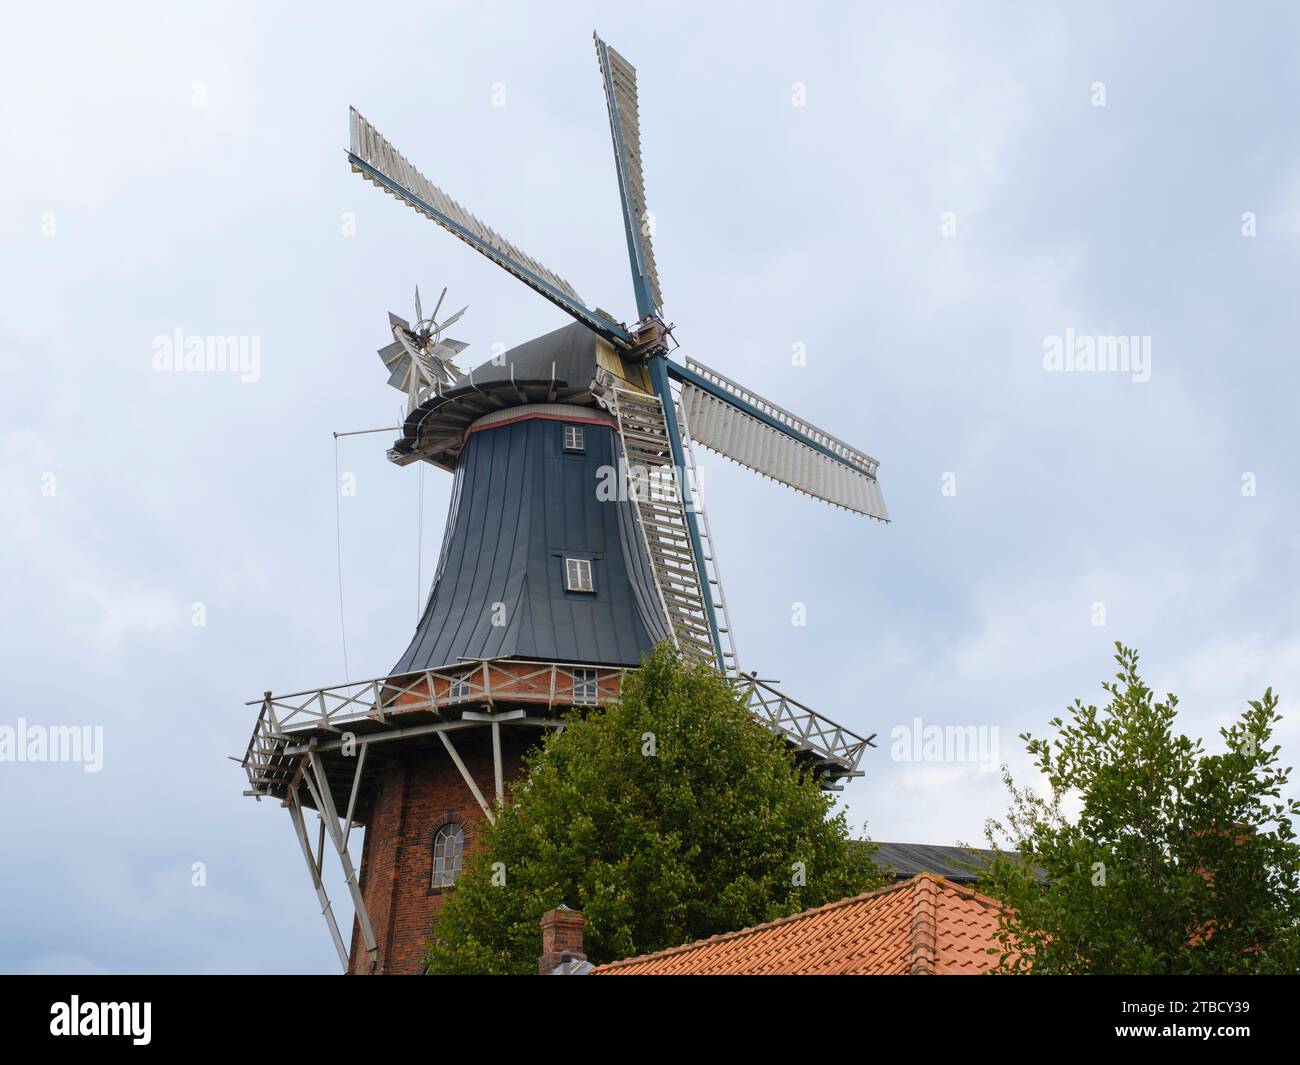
<point x="921" y="926"/>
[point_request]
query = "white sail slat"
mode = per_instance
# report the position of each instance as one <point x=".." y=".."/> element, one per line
<point x="753" y="443"/>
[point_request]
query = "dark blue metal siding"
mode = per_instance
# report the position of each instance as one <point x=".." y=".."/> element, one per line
<point x="524" y="504"/>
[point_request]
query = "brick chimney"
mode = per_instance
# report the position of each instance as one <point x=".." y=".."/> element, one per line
<point x="561" y="938"/>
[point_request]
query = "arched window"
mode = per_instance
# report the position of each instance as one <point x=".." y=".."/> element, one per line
<point x="448" y="850"/>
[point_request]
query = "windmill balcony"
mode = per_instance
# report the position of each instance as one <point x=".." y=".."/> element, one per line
<point x="331" y="721"/>
<point x="508" y="692"/>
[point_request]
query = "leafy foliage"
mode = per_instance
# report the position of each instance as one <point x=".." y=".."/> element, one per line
<point x="665" y="817"/>
<point x="1177" y="861"/>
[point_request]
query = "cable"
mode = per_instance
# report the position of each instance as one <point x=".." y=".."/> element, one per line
<point x="419" y="550"/>
<point x="338" y="548"/>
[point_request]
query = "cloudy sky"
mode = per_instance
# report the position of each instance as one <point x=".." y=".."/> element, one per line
<point x="951" y="195"/>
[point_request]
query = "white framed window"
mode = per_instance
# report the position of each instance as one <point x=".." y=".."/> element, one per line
<point x="585" y="691"/>
<point x="459" y="689"/>
<point x="448" y="854"/>
<point x="573" y="438"/>
<point x="577" y="575"/>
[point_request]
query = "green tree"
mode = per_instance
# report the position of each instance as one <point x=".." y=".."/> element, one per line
<point x="667" y="816"/>
<point x="1176" y="861"/>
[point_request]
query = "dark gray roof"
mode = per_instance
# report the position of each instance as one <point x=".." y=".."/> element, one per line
<point x="557" y="367"/>
<point x="520" y="505"/>
<point x="951" y="863"/>
<point x="566" y="354"/>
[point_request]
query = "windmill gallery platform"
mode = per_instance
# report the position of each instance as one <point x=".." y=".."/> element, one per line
<point x="549" y="587"/>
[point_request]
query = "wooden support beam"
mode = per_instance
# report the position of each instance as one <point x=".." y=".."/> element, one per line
<point x="469" y="780"/>
<point x="320" y="791"/>
<point x="496" y="762"/>
<point x="380" y="737"/>
<point x="356" y="787"/>
<point x="300" y="829"/>
<point x="506" y="715"/>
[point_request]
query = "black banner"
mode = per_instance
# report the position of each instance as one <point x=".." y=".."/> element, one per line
<point x="253" y="1014"/>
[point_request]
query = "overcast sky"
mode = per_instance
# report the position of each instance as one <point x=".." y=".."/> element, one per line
<point x="950" y="196"/>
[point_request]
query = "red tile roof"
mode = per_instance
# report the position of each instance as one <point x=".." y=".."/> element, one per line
<point x="926" y="925"/>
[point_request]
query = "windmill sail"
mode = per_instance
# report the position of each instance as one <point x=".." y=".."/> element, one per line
<point x="625" y="128"/>
<point x="373" y="157"/>
<point x="735" y="422"/>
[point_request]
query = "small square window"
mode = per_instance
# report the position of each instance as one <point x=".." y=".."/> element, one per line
<point x="577" y="575"/>
<point x="459" y="689"/>
<point x="585" y="691"/>
<point x="573" y="438"/>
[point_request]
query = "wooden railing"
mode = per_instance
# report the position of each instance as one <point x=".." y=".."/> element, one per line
<point x="508" y="682"/>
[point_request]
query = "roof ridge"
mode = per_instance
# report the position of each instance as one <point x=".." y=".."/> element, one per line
<point x="697" y="944"/>
<point x="963" y="890"/>
<point x="923" y="948"/>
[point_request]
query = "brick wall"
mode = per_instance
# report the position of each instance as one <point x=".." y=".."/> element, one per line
<point x="418" y="792"/>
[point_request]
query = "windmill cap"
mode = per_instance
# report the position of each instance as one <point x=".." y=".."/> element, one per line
<point x="558" y="367"/>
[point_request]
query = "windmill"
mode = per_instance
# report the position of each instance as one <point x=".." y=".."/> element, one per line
<point x="420" y="357"/>
<point x="559" y="567"/>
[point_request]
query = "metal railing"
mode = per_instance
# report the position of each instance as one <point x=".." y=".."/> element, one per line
<point x="487" y="681"/>
<point x="802" y="726"/>
<point x="384" y="701"/>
